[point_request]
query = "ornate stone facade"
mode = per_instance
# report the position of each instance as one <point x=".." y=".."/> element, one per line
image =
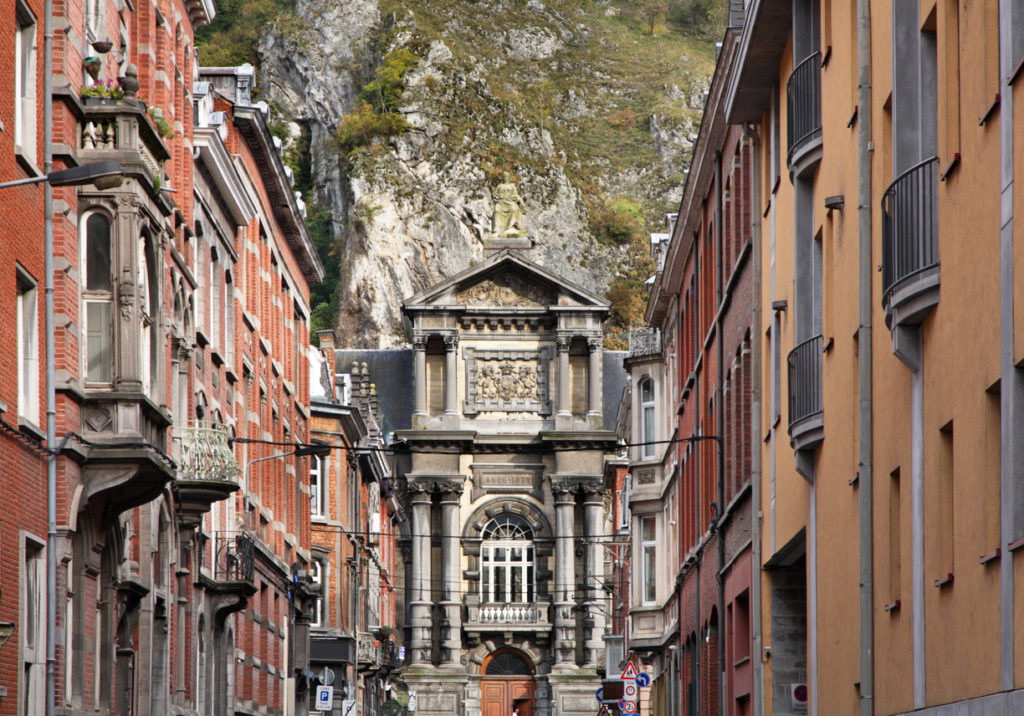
<point x="495" y="501"/>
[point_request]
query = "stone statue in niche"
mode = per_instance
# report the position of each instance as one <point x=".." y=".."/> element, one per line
<point x="508" y="209"/>
<point x="506" y="380"/>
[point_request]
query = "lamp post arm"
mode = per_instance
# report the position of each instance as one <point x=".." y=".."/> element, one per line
<point x="245" y="472"/>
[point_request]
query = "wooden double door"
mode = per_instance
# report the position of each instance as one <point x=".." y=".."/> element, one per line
<point x="505" y="696"/>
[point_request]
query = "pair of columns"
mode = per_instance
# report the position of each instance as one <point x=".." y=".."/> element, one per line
<point x="594" y="375"/>
<point x="566" y="575"/>
<point x="451" y="593"/>
<point x="451" y="353"/>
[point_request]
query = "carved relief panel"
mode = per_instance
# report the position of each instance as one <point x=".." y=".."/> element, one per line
<point x="507" y="381"/>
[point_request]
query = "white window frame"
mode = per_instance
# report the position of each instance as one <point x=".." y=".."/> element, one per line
<point x="26" y="77"/>
<point x="32" y="664"/>
<point x="96" y="298"/>
<point x="316" y="576"/>
<point x="648" y="417"/>
<point x="648" y="561"/>
<point x="28" y="347"/>
<point x="491" y="562"/>
<point x="627" y="484"/>
<point x="318" y="473"/>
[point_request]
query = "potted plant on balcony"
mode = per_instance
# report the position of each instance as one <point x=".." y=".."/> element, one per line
<point x="101" y="94"/>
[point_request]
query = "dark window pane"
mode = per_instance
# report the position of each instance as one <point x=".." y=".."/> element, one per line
<point x="97" y="250"/>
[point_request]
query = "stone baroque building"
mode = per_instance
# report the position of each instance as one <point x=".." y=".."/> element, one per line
<point x="503" y="478"/>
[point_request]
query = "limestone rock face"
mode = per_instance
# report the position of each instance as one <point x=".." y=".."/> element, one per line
<point x="510" y="86"/>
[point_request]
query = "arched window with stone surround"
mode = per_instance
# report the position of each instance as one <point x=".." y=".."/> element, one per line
<point x="507" y="573"/>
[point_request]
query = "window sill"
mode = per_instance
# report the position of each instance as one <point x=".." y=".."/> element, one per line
<point x="944" y="581"/>
<point x="951" y="167"/>
<point x="990" y="557"/>
<point x="1014" y="546"/>
<point x="27" y="162"/>
<point x="740" y="662"/>
<point x="1016" y="72"/>
<point x="893" y="606"/>
<point x="987" y="115"/>
<point x="31" y="429"/>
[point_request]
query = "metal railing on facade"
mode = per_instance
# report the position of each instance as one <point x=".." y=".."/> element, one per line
<point x="234" y="558"/>
<point x="804" y="363"/>
<point x="202" y="452"/>
<point x="909" y="225"/>
<point x="803" y="102"/>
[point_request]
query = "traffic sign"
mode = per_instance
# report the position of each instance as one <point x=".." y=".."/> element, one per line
<point x="326" y="676"/>
<point x="629" y="691"/>
<point x="324" y="698"/>
<point x="643" y="680"/>
<point x="598" y="694"/>
<point x="627" y="707"/>
<point x="629" y="673"/>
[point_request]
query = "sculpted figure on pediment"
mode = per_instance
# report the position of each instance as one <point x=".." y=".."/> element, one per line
<point x="505" y="290"/>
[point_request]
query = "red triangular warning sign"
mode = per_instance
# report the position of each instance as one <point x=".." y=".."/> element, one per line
<point x="629" y="672"/>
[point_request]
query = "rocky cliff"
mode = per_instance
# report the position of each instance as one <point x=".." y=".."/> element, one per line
<point x="411" y="110"/>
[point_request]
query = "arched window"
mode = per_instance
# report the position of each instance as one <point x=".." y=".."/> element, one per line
<point x="98" y="298"/>
<point x="508" y="663"/>
<point x="647" y="431"/>
<point x="507" y="561"/>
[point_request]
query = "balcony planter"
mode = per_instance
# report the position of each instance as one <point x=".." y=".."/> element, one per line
<point x="910" y="246"/>
<point x="92" y="101"/>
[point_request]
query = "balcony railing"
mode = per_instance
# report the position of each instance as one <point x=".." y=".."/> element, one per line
<point x="507" y="616"/>
<point x="804" y="382"/>
<point x="644" y="342"/>
<point x="202" y="453"/>
<point x="910" y="230"/>
<point x="234" y="557"/>
<point x="803" y="103"/>
<point x="121" y="130"/>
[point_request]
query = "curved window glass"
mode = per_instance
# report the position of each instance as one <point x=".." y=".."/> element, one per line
<point x="507" y="561"/>
<point x="508" y="663"/>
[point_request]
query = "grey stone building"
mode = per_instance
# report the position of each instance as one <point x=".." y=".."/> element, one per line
<point x="501" y="474"/>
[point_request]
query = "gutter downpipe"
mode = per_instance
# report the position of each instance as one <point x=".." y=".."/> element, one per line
<point x="720" y="428"/>
<point x="755" y="428"/>
<point x="865" y="277"/>
<point x="51" y="394"/>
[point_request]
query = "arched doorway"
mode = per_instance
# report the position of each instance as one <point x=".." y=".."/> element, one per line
<point x="507" y="685"/>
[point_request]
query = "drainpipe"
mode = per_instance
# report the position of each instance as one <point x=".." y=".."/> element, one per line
<point x="864" y="356"/>
<point x="51" y="395"/>
<point x="720" y="427"/>
<point x="755" y="427"/>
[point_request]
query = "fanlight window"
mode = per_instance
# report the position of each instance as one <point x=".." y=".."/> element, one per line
<point x="507" y="561"/>
<point x="507" y="663"/>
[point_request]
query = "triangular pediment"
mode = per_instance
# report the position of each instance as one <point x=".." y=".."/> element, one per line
<point x="506" y="280"/>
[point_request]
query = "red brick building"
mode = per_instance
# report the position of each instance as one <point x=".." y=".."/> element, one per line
<point x="181" y="324"/>
<point x="692" y="434"/>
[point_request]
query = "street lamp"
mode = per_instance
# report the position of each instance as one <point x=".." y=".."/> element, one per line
<point x="107" y="174"/>
<point x="299" y="451"/>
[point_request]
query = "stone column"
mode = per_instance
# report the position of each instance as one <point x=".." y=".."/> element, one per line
<point x="564" y="385"/>
<point x="419" y="379"/>
<point x="595" y="412"/>
<point x="593" y="506"/>
<point x="451" y="355"/>
<point x="420" y="575"/>
<point x="565" y="575"/>
<point x="126" y="319"/>
<point x="451" y="589"/>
